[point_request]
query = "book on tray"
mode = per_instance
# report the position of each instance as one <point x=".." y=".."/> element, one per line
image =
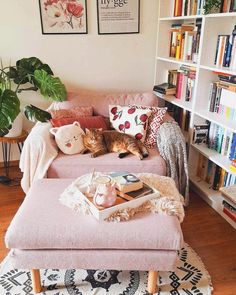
<point x="126" y="182"/>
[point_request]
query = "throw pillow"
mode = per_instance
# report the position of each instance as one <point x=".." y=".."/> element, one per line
<point x="155" y="121"/>
<point x="68" y="113"/>
<point x="130" y="120"/>
<point x="69" y="138"/>
<point x="84" y="121"/>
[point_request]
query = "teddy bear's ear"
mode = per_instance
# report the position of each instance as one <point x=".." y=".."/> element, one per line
<point x="76" y="123"/>
<point x="54" y="130"/>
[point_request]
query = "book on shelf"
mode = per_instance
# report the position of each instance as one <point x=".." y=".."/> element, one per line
<point x="126" y="182"/>
<point x="232" y="6"/>
<point x="184" y="41"/>
<point x="226" y="50"/>
<point x="229" y="213"/>
<point x="233" y="166"/>
<point x="181" y="116"/>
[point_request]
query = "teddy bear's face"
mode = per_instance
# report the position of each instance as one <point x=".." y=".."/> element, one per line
<point x="69" y="138"/>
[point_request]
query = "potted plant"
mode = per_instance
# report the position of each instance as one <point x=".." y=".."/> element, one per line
<point x="28" y="74"/>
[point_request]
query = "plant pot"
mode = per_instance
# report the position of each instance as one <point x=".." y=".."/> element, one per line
<point x="17" y="127"/>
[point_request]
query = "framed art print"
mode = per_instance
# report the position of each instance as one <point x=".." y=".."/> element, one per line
<point x="118" y="16"/>
<point x="63" y="16"/>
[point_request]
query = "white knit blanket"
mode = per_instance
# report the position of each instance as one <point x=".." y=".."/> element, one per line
<point x="169" y="201"/>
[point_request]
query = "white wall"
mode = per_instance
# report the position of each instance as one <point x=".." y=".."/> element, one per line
<point x="92" y="61"/>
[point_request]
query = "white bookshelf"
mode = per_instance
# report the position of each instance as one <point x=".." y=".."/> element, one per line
<point x="212" y="26"/>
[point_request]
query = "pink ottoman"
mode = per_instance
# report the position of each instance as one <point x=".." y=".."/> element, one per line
<point x="46" y="234"/>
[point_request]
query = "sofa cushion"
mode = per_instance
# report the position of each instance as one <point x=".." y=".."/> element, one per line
<point x="71" y="166"/>
<point x="100" y="100"/>
<point x="68" y="113"/>
<point x="84" y="121"/>
<point x="131" y="121"/>
<point x="42" y="222"/>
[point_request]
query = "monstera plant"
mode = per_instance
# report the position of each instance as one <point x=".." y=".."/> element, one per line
<point x="28" y="74"/>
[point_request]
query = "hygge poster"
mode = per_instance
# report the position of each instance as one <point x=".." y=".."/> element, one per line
<point x="118" y="16"/>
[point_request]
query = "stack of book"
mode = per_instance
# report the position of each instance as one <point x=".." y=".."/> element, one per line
<point x="226" y="50"/>
<point x="214" y="175"/>
<point x="188" y="7"/>
<point x="222" y="97"/>
<point x="229" y="202"/>
<point x="164" y="90"/>
<point x="185" y="84"/>
<point x="222" y="140"/>
<point x="185" y="39"/>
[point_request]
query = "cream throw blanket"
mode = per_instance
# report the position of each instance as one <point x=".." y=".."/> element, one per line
<point x="169" y="202"/>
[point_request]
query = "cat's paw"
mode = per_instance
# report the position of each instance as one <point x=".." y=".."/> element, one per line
<point x="93" y="155"/>
<point x="141" y="157"/>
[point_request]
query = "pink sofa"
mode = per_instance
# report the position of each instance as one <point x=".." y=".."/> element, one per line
<point x="69" y="166"/>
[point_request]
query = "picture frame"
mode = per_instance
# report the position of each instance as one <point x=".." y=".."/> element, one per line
<point x="63" y="17"/>
<point x="118" y="17"/>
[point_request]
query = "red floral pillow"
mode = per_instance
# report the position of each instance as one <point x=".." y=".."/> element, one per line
<point x="130" y="120"/>
<point x="155" y="121"/>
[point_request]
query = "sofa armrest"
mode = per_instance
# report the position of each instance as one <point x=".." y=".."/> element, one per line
<point x="39" y="151"/>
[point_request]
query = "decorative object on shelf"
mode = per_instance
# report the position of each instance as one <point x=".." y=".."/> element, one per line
<point x="6" y="152"/>
<point x="27" y="70"/>
<point x="190" y="277"/>
<point x="200" y="133"/>
<point x="63" y="16"/>
<point x="118" y="17"/>
<point x="212" y="6"/>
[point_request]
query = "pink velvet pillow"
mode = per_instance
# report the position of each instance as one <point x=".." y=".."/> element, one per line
<point x="154" y="123"/>
<point x="73" y="112"/>
<point x="85" y="122"/>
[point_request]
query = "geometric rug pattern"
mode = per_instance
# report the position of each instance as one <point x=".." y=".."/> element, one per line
<point x="190" y="278"/>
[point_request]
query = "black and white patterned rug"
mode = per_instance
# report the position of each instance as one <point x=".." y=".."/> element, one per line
<point x="190" y="278"/>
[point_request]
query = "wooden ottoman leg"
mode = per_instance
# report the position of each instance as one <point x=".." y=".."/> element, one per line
<point x="152" y="281"/>
<point x="36" y="282"/>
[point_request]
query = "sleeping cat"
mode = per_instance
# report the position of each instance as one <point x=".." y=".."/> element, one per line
<point x="101" y="142"/>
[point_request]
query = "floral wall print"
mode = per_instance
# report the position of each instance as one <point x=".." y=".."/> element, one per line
<point x="63" y="16"/>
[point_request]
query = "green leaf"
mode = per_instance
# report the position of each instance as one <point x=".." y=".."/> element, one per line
<point x="50" y="87"/>
<point x="25" y="68"/>
<point x="9" y="109"/>
<point x="35" y="114"/>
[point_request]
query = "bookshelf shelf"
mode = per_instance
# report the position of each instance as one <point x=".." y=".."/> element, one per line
<point x="186" y="105"/>
<point x="215" y="118"/>
<point x="212" y="25"/>
<point x="177" y="61"/>
<point x="173" y="18"/>
<point x="215" y="157"/>
<point x="219" y="69"/>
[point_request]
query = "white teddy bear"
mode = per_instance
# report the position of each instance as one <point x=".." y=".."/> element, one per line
<point x="69" y="138"/>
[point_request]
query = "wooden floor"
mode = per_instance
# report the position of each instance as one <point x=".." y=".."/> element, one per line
<point x="208" y="234"/>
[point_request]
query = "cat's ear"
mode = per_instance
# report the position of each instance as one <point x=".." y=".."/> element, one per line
<point x="87" y="131"/>
<point x="54" y="130"/>
<point x="99" y="129"/>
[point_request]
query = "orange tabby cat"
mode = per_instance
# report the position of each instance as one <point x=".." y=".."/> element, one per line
<point x="101" y="142"/>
